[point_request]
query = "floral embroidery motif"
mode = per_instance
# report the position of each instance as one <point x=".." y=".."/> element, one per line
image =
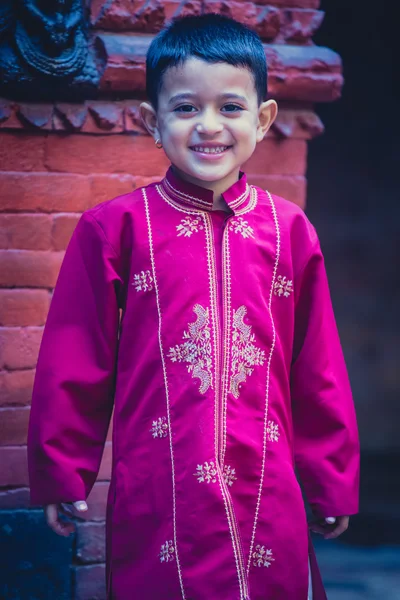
<point x="241" y="226"/>
<point x="273" y="431"/>
<point x="143" y="281"/>
<point x="262" y="557"/>
<point x="229" y="475"/>
<point x="159" y="429"/>
<point x="283" y="286"/>
<point x="196" y="349"/>
<point x="206" y="473"/>
<point x="245" y="355"/>
<point x="188" y="226"/>
<point x="167" y="553"/>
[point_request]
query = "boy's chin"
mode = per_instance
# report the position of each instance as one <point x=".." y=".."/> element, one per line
<point x="206" y="172"/>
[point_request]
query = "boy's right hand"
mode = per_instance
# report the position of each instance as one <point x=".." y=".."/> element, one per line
<point x="52" y="514"/>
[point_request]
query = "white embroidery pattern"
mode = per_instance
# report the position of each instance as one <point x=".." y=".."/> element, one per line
<point x="241" y="226"/>
<point x="273" y="431"/>
<point x="188" y="226"/>
<point x="283" y="286"/>
<point x="196" y="349"/>
<point x="262" y="557"/>
<point x="167" y="553"/>
<point x="143" y="281"/>
<point x="206" y="473"/>
<point x="229" y="475"/>
<point x="159" y="429"/>
<point x="245" y="355"/>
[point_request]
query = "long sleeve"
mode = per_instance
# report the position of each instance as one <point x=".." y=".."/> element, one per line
<point x="73" y="391"/>
<point x="326" y="441"/>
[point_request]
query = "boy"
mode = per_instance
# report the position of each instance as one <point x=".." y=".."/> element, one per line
<point x="225" y="370"/>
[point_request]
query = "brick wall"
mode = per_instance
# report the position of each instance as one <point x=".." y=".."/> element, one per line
<point x="59" y="159"/>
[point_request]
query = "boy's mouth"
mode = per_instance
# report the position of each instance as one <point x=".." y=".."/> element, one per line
<point x="208" y="151"/>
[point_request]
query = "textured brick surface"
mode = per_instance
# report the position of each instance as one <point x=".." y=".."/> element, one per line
<point x="13" y="466"/>
<point x="90" y="542"/>
<point x="27" y="268"/>
<point x="19" y="347"/>
<point x="45" y="192"/>
<point x="128" y="154"/>
<point x="34" y="560"/>
<point x="90" y="583"/>
<point x="23" y="307"/>
<point x="22" y="231"/>
<point x="16" y="387"/>
<point x="21" y="152"/>
<point x="14" y="425"/>
<point x="63" y="228"/>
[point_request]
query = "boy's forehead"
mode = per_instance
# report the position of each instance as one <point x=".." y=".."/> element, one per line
<point x="200" y="77"/>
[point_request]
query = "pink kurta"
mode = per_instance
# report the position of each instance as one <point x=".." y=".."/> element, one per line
<point x="225" y="371"/>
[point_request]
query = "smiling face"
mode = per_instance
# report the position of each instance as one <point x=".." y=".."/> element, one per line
<point x="219" y="108"/>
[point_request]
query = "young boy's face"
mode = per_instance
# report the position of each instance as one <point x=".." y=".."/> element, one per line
<point x="221" y="108"/>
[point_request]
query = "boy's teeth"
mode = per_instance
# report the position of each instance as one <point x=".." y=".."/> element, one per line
<point x="208" y="150"/>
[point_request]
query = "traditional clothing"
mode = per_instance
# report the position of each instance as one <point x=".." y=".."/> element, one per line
<point x="225" y="371"/>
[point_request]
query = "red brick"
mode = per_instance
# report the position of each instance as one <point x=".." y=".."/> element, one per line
<point x="25" y="231"/>
<point x="19" y="347"/>
<point x="132" y="154"/>
<point x="104" y="187"/>
<point x="291" y="188"/>
<point x="278" y="157"/>
<point x="14" y="425"/>
<point x="13" y="466"/>
<point x="63" y="228"/>
<point x="14" y="499"/>
<point x="21" y="151"/>
<point x="27" y="268"/>
<point x="23" y="307"/>
<point x="44" y="192"/>
<point x="16" y="387"/>
<point x="90" y="542"/>
<point x="90" y="583"/>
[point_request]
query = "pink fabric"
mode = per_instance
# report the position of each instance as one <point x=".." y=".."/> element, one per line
<point x="225" y="371"/>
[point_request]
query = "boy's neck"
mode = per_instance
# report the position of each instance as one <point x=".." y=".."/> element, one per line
<point x="218" y="201"/>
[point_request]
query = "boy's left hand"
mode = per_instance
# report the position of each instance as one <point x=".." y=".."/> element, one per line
<point x="330" y="531"/>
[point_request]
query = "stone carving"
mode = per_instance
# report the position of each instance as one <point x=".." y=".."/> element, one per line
<point x="45" y="42"/>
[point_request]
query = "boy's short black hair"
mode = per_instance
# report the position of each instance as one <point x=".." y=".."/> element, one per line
<point x="211" y="37"/>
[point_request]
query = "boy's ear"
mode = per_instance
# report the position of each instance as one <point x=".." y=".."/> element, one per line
<point x="149" y="118"/>
<point x="266" y="116"/>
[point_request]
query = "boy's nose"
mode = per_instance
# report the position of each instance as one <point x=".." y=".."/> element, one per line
<point x="209" y="123"/>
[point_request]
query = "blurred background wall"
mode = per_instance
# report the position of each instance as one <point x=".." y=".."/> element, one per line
<point x="71" y="137"/>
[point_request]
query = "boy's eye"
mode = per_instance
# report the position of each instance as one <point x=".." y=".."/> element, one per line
<point x="234" y="106"/>
<point x="182" y="107"/>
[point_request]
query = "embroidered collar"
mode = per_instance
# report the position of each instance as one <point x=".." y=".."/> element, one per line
<point x="184" y="192"/>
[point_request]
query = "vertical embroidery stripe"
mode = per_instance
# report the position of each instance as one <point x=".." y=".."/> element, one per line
<point x="265" y="432"/>
<point x="226" y="282"/>
<point x="217" y="345"/>
<point x="153" y="265"/>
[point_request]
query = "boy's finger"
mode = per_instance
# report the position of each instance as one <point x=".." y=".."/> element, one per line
<point x="80" y="505"/>
<point x="341" y="528"/>
<point x="53" y="521"/>
<point x="317" y="528"/>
